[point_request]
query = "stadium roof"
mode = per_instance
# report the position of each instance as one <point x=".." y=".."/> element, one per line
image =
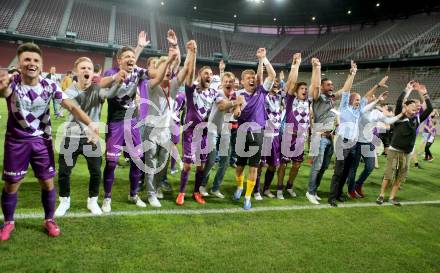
<point x="291" y="12"/>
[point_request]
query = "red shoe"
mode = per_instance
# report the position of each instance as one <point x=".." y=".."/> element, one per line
<point x="52" y="228"/>
<point x="180" y="199"/>
<point x="199" y="198"/>
<point x="6" y="231"/>
<point x="352" y="194"/>
<point x="359" y="192"/>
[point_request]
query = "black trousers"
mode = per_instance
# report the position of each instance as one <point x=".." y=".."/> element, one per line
<point x="345" y="151"/>
<point x="71" y="148"/>
<point x="428" y="154"/>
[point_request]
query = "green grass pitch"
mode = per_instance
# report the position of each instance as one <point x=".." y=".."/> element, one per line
<point x="360" y="239"/>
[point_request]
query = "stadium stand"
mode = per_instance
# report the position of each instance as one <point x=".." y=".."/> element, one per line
<point x="210" y="38"/>
<point x="7" y="11"/>
<point x="42" y="18"/>
<point x="163" y="24"/>
<point x="128" y="24"/>
<point x="242" y="46"/>
<point x="404" y="32"/>
<point x="90" y="22"/>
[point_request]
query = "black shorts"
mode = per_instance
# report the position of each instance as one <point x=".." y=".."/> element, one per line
<point x="252" y="140"/>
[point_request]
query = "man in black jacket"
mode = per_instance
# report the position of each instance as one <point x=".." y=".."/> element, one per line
<point x="403" y="139"/>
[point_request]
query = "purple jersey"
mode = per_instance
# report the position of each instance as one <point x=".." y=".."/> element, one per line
<point x="254" y="107"/>
<point x="28" y="108"/>
<point x="199" y="104"/>
<point x="143" y="94"/>
<point x="179" y="103"/>
<point x="298" y="114"/>
<point x="124" y="98"/>
<point x="428" y="125"/>
<point x="418" y="118"/>
<point x="273" y="112"/>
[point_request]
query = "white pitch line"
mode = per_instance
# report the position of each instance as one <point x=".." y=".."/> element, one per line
<point x="221" y="211"/>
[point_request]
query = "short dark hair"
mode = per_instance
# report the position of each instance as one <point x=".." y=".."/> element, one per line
<point x="96" y="68"/>
<point x="29" y="47"/>
<point x="122" y="50"/>
<point x="324" y="80"/>
<point x="298" y="85"/>
<point x="408" y="102"/>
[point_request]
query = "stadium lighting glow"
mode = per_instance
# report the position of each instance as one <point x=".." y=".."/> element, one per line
<point x="256" y="1"/>
<point x="313" y="18"/>
<point x="378" y="5"/>
<point x="162" y="3"/>
<point x="274" y="19"/>
<point x="235" y="15"/>
<point x="195" y="7"/>
<point x="349" y="12"/>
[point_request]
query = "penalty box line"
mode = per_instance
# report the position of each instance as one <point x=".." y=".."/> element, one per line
<point x="222" y="211"/>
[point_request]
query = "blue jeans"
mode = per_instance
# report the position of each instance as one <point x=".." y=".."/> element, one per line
<point x="320" y="164"/>
<point x="366" y="151"/>
<point x="222" y="164"/>
<point x="233" y="156"/>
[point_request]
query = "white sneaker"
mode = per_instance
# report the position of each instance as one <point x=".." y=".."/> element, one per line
<point x="312" y="198"/>
<point x="268" y="194"/>
<point x="317" y="197"/>
<point x="292" y="193"/>
<point x="159" y="193"/>
<point x="174" y="171"/>
<point x="63" y="207"/>
<point x="218" y="194"/>
<point x="258" y="196"/>
<point x="107" y="205"/>
<point x="154" y="202"/>
<point x="181" y="165"/>
<point x="137" y="200"/>
<point x="203" y="191"/>
<point x="92" y="205"/>
<point x="280" y="195"/>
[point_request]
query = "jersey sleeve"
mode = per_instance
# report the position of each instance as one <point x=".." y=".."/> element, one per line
<point x="344" y="101"/>
<point x="57" y="93"/>
<point x="267" y="85"/>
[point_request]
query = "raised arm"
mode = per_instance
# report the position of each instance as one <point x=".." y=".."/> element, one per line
<point x="172" y="42"/>
<point x="294" y="71"/>
<point x="315" y="84"/>
<point x="183" y="73"/>
<point x="191" y="65"/>
<point x="372" y="104"/>
<point x="143" y="41"/>
<point x="221" y="68"/>
<point x="271" y="74"/>
<point x="382" y="83"/>
<point x="260" y="70"/>
<point x="404" y="95"/>
<point x="349" y="82"/>
<point x="162" y="69"/>
<point x="5" y="91"/>
<point x="428" y="110"/>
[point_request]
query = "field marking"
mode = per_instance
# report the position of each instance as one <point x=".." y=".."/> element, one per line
<point x="221" y="211"/>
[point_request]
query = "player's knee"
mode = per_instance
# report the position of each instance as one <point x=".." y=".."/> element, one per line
<point x="11" y="187"/>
